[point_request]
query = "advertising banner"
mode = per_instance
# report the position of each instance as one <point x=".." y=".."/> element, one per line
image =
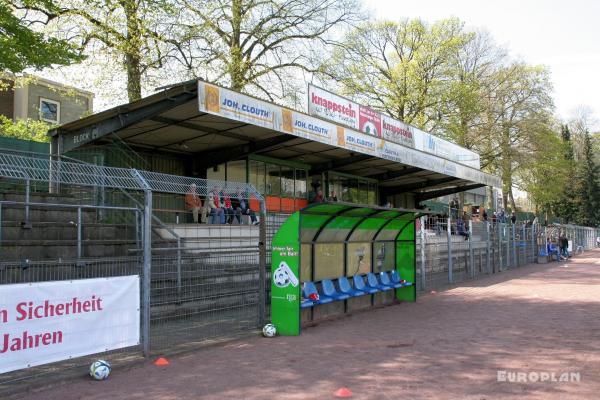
<point x="327" y="105"/>
<point x="397" y="141"/>
<point x="44" y="322"/>
<point x="397" y="131"/>
<point x="238" y="106"/>
<point x="360" y="142"/>
<point x="307" y="127"/>
<point x="369" y="121"/>
<point x="285" y="279"/>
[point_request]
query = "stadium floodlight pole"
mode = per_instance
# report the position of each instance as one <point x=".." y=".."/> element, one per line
<point x="449" y="234"/>
<point x="147" y="261"/>
<point x="422" y="231"/>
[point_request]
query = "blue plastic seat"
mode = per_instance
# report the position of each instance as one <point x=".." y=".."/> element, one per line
<point x="329" y="290"/>
<point x="396" y="279"/>
<point x="309" y="288"/>
<point x="359" y="284"/>
<point x="385" y="280"/>
<point x="372" y="281"/>
<point x="346" y="287"/>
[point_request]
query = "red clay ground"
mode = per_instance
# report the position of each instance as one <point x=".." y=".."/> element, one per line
<point x="449" y="345"/>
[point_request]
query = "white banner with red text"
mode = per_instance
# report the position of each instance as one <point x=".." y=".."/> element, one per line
<point x="45" y="322"/>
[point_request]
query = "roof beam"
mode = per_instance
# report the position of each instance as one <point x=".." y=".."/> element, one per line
<point x="422" y="185"/>
<point x="444" y="192"/>
<point x="390" y="175"/>
<point x="215" y="157"/>
<point x="338" y="163"/>
<point x="203" y="129"/>
<point x="123" y="118"/>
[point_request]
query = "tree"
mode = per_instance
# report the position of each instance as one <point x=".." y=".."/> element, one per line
<point x="21" y="47"/>
<point x="545" y="173"/>
<point x="517" y="114"/>
<point x="587" y="188"/>
<point x="136" y="33"/>
<point x="24" y="129"/>
<point x="400" y="68"/>
<point x="259" y="45"/>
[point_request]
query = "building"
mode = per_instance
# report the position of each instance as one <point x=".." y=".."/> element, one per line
<point x="31" y="97"/>
<point x="202" y="130"/>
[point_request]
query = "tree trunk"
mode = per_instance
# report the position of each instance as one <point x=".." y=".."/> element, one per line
<point x="236" y="70"/>
<point x="132" y="51"/>
<point x="134" y="77"/>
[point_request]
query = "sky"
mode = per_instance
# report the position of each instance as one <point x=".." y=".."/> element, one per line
<point x="562" y="35"/>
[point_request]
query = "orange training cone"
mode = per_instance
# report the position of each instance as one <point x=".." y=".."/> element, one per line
<point x="343" y="392"/>
<point x="161" y="362"/>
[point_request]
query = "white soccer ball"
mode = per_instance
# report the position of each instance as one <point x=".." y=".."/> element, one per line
<point x="99" y="370"/>
<point x="269" y="330"/>
<point x="281" y="278"/>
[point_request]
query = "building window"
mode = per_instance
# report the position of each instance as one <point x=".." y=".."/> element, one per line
<point x="49" y="110"/>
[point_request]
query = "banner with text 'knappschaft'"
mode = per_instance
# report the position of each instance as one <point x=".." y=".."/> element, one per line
<point x="44" y="322"/>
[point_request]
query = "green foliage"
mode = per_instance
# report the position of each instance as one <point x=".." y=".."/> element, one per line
<point x="587" y="187"/>
<point x="21" y="47"/>
<point x="24" y="129"/>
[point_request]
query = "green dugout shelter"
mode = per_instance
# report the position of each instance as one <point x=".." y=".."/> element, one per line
<point x="346" y="248"/>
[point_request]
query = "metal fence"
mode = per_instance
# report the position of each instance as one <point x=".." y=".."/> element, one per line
<point x="64" y="220"/>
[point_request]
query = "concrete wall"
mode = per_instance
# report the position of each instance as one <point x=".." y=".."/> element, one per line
<point x="73" y="105"/>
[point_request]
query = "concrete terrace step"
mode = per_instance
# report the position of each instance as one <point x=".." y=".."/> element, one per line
<point x="13" y="230"/>
<point x="39" y="197"/>
<point x="198" y="238"/>
<point x="55" y="249"/>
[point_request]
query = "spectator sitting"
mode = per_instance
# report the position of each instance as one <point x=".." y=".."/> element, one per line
<point x="193" y="202"/>
<point x="319" y="197"/>
<point x="215" y="207"/>
<point x="552" y="250"/>
<point x="240" y="205"/>
<point x="229" y="211"/>
<point x="333" y="196"/>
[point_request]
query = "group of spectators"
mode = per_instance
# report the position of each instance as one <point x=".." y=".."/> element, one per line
<point x="218" y="207"/>
<point x="561" y="252"/>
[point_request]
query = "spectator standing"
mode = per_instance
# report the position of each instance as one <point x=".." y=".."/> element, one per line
<point x="193" y="202"/>
<point x="513" y="218"/>
<point x="484" y="215"/>
<point x="564" y="245"/>
<point x="333" y="196"/>
<point x="454" y="208"/>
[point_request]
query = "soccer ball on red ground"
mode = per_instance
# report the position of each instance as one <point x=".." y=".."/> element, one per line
<point x="269" y="330"/>
<point x="99" y="370"/>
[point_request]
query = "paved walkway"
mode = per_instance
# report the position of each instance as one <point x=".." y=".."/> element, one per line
<point x="534" y="322"/>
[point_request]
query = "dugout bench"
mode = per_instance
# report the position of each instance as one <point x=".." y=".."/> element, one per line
<point x="332" y="258"/>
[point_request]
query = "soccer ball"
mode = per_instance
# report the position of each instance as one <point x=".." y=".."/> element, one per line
<point x="281" y="277"/>
<point x="99" y="370"/>
<point x="269" y="330"/>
